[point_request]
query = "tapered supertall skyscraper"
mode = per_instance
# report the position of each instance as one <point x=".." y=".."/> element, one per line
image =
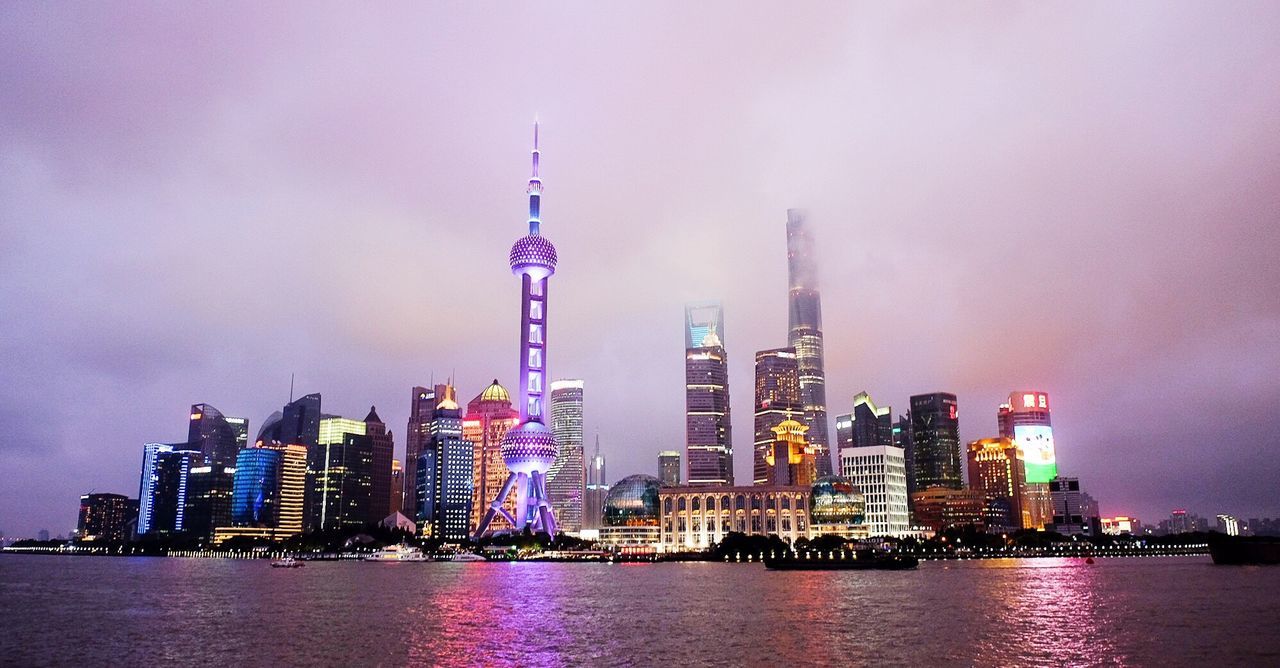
<point x="805" y="334"/>
<point x="529" y="450"/>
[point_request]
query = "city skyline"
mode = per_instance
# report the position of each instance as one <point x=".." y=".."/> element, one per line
<point x="979" y="231"/>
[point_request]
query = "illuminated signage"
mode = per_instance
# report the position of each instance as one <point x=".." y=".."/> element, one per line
<point x="1036" y="444"/>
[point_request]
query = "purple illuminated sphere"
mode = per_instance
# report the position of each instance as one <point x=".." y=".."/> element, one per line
<point x="528" y="448"/>
<point x="534" y="255"/>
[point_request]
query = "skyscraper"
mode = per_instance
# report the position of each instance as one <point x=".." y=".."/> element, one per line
<point x="597" y="489"/>
<point x="566" y="481"/>
<point x="270" y="487"/>
<point x="208" y="498"/>
<point x="805" y="334"/>
<point x="445" y="470"/>
<point x="777" y="399"/>
<point x="935" y="437"/>
<point x="162" y="492"/>
<point x="340" y="474"/>
<point x="669" y="467"/>
<point x="708" y="428"/>
<point x="256" y="500"/>
<point x="422" y="406"/>
<point x="489" y="417"/>
<point x="218" y="439"/>
<point x="996" y="470"/>
<point x="1025" y="419"/>
<point x="529" y="450"/>
<point x="384" y="446"/>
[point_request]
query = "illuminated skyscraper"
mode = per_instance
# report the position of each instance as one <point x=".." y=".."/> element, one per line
<point x="218" y="438"/>
<point x="256" y="501"/>
<point x="340" y="474"/>
<point x="529" y="450"/>
<point x="162" y="493"/>
<point x="1025" y="419"/>
<point x="566" y="481"/>
<point x="384" y="446"/>
<point x="489" y="417"/>
<point x="996" y="470"/>
<point x="708" y="429"/>
<point x="805" y="334"/>
<point x="422" y="406"/>
<point x="597" y="489"/>
<point x="669" y="467"/>
<point x="445" y="469"/>
<point x="935" y="437"/>
<point x="777" y="399"/>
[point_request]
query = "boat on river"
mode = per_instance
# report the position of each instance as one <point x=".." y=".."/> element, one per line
<point x="1259" y="550"/>
<point x="287" y="562"/>
<point x="396" y="554"/>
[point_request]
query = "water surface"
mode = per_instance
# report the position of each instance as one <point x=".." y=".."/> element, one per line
<point x="146" y="611"/>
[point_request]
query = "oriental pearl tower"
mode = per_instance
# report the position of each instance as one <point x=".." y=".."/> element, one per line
<point x="530" y="448"/>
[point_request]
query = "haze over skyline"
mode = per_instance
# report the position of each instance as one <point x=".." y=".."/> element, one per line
<point x="199" y="201"/>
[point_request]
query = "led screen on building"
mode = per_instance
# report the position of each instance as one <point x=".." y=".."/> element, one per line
<point x="1036" y="443"/>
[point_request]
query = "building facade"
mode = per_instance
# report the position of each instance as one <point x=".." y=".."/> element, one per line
<point x="935" y="436"/>
<point x="777" y="398"/>
<point x="566" y="481"/>
<point x="708" y="427"/>
<point x="597" y="490"/>
<point x="422" y="406"/>
<point x="996" y="469"/>
<point x="692" y="518"/>
<point x="105" y="518"/>
<point x="880" y="473"/>
<point x="162" y="492"/>
<point x="488" y="418"/>
<point x="1026" y="420"/>
<point x="669" y="467"/>
<point x="943" y="507"/>
<point x="340" y="474"/>
<point x="791" y="460"/>
<point x="445" y="473"/>
<point x="384" y="445"/>
<point x="629" y="514"/>
<point x="804" y="334"/>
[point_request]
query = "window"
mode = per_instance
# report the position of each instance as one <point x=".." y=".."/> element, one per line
<point x="535" y="358"/>
<point x="535" y="382"/>
<point x="535" y="334"/>
<point x="535" y="288"/>
<point x="535" y="310"/>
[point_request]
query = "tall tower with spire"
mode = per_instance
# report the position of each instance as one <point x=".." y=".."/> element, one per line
<point x="530" y="449"/>
<point x="805" y="334"/>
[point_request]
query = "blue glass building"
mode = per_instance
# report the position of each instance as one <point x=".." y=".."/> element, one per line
<point x="255" y="499"/>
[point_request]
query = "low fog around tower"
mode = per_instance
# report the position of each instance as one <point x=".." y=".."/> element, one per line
<point x="200" y="202"/>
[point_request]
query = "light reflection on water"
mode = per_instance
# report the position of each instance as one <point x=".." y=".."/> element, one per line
<point x="78" y="610"/>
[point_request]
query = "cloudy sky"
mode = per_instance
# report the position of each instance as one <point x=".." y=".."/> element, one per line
<point x="198" y="201"/>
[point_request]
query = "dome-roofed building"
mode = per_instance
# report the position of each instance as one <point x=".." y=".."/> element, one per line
<point x="631" y="514"/>
<point x="837" y="507"/>
<point x="495" y="392"/>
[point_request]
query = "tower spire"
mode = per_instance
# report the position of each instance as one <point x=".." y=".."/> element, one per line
<point x="535" y="186"/>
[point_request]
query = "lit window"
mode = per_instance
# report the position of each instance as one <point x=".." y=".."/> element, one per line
<point x="535" y="334"/>
<point x="535" y="310"/>
<point x="535" y="288"/>
<point x="535" y="358"/>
